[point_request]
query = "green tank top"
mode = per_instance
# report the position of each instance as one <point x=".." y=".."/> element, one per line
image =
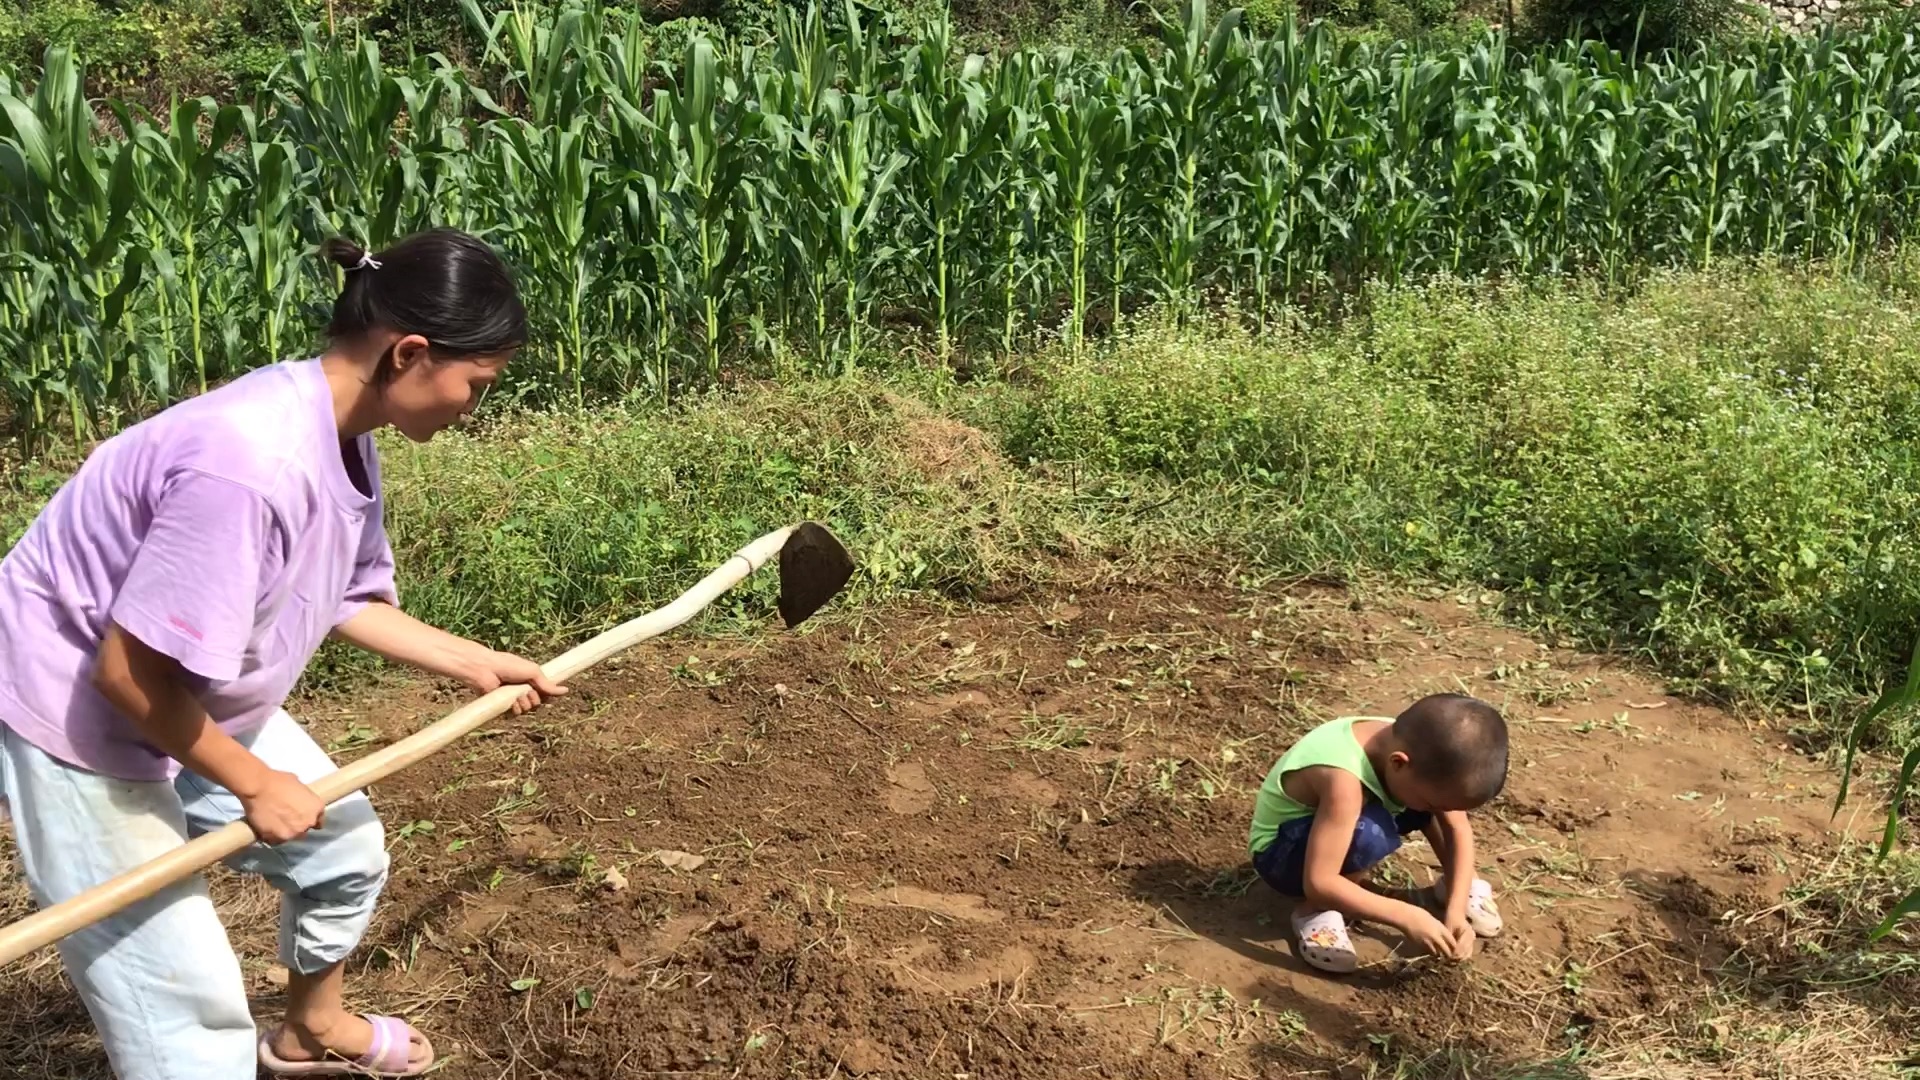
<point x="1333" y="744"/>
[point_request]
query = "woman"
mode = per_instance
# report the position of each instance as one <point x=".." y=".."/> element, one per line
<point x="154" y="619"/>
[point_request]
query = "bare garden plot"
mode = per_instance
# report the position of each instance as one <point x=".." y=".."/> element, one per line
<point x="1008" y="841"/>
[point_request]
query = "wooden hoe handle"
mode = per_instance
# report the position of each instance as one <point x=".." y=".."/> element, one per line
<point x="51" y="924"/>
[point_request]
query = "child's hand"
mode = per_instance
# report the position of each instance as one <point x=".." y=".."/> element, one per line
<point x="1464" y="940"/>
<point x="1431" y="934"/>
<point x="282" y="808"/>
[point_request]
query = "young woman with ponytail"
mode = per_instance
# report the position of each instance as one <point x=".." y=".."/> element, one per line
<point x="153" y="621"/>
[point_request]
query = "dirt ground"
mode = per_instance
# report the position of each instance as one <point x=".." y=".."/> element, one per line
<point x="1008" y="842"/>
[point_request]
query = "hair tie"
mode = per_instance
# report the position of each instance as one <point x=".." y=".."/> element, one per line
<point x="367" y="262"/>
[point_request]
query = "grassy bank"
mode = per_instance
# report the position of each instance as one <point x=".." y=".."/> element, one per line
<point x="1719" y="474"/>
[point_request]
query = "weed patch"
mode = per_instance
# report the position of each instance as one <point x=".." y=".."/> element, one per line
<point x="1718" y="473"/>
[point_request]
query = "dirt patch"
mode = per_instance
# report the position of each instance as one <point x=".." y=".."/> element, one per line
<point x="959" y="906"/>
<point x="1009" y="843"/>
<point x="1031" y="789"/>
<point x="909" y="790"/>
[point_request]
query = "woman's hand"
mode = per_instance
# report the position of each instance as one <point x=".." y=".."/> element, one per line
<point x="389" y="632"/>
<point x="490" y="670"/>
<point x="281" y="808"/>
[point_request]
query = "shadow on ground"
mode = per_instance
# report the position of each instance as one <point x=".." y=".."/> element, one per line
<point x="1380" y="1030"/>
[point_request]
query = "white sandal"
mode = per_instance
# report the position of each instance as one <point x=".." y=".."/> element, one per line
<point x="1482" y="913"/>
<point x="1324" y="942"/>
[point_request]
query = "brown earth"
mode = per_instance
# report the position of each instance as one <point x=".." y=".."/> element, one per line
<point x="1008" y="842"/>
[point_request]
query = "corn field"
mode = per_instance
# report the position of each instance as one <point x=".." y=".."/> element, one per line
<point x="764" y="206"/>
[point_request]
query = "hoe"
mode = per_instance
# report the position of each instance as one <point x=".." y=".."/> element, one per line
<point x="813" y="565"/>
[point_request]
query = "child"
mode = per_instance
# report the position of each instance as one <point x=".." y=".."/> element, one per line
<point x="155" y="617"/>
<point x="1339" y="801"/>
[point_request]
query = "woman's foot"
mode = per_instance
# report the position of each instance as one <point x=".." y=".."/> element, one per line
<point x="381" y="1046"/>
<point x="1324" y="942"/>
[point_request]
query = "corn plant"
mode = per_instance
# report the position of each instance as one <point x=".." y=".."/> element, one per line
<point x="861" y="176"/>
<point x="637" y="265"/>
<point x="1708" y="107"/>
<point x="806" y="64"/>
<point x="178" y="190"/>
<point x="1866" y="135"/>
<point x="338" y="109"/>
<point x="1393" y="205"/>
<point x="1194" y="77"/>
<point x="558" y="217"/>
<point x="709" y="134"/>
<point x="544" y="63"/>
<point x="264" y="207"/>
<point x="942" y="120"/>
<point x="70" y="198"/>
<point x="1472" y="145"/>
<point x="1625" y="178"/>
<point x="1012" y="193"/>
<point x="1076" y="121"/>
<point x="1904" y="698"/>
<point x="1124" y="203"/>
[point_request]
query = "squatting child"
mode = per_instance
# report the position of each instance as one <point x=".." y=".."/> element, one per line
<point x="1339" y="801"/>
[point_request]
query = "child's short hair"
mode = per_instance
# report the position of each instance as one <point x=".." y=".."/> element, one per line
<point x="1456" y="741"/>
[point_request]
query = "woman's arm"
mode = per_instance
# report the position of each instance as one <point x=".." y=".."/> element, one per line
<point x="145" y="686"/>
<point x="386" y="631"/>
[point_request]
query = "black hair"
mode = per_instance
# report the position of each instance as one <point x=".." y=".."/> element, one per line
<point x="1457" y="742"/>
<point x="443" y="284"/>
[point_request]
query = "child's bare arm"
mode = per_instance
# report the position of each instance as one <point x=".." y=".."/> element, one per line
<point x="1457" y="864"/>
<point x="1337" y="804"/>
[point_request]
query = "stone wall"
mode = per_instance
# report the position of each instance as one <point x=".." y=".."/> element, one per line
<point x="1803" y="12"/>
<point x="1807" y="14"/>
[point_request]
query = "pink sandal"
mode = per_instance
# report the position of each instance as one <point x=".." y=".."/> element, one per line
<point x="390" y="1055"/>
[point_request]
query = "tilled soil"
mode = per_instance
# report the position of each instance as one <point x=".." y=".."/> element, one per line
<point x="1008" y="842"/>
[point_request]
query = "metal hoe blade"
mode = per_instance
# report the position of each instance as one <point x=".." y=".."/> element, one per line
<point x="814" y="567"/>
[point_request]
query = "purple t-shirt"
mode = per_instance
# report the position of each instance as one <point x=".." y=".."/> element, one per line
<point x="226" y="532"/>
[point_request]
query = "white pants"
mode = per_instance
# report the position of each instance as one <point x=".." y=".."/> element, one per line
<point x="160" y="978"/>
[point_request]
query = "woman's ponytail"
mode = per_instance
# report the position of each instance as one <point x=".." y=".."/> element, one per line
<point x="443" y="284"/>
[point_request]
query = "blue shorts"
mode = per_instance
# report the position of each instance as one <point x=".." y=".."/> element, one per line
<point x="1376" y="835"/>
